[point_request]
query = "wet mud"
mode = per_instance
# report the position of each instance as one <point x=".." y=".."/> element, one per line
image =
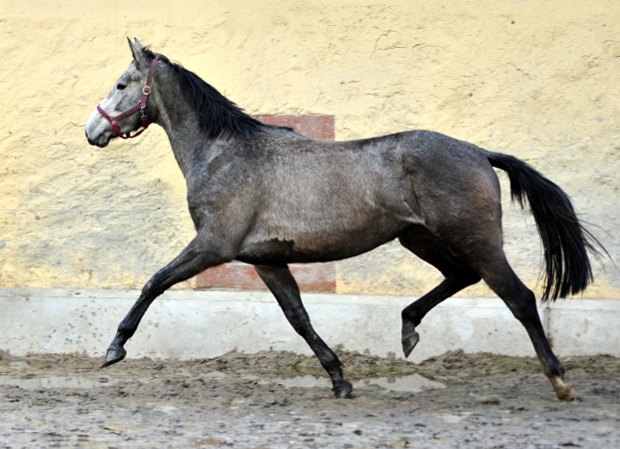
<point x="283" y="400"/>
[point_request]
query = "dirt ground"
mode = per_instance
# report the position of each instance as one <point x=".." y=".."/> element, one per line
<point x="282" y="400"/>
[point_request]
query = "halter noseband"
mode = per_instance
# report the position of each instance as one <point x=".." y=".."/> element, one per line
<point x="141" y="106"/>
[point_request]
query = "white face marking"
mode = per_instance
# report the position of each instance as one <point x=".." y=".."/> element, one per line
<point x="125" y="94"/>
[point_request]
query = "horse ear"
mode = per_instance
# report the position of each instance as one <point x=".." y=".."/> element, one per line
<point x="136" y="49"/>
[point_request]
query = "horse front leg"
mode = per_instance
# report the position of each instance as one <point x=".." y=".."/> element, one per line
<point x="281" y="282"/>
<point x="193" y="260"/>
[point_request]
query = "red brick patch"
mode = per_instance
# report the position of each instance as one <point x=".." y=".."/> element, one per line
<point x="315" y="126"/>
<point x="314" y="277"/>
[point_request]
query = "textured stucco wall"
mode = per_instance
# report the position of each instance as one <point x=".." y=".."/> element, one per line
<point x="536" y="79"/>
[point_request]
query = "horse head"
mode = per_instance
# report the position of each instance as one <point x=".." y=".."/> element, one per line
<point x="125" y="108"/>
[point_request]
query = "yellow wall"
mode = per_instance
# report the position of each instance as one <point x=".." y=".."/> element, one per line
<point x="536" y="79"/>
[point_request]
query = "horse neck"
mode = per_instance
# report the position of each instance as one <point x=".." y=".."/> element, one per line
<point x="203" y="121"/>
<point x="181" y="124"/>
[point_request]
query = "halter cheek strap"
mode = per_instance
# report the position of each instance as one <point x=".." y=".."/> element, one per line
<point x="140" y="107"/>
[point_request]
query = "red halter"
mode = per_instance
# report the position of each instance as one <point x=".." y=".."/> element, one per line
<point x="146" y="91"/>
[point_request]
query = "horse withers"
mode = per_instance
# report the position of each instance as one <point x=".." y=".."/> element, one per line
<point x="267" y="196"/>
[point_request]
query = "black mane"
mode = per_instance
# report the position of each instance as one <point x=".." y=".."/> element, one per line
<point x="218" y="116"/>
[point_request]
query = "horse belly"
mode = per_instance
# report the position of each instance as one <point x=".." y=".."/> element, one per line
<point x="308" y="238"/>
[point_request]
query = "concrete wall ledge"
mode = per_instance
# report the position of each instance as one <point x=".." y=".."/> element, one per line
<point x="197" y="324"/>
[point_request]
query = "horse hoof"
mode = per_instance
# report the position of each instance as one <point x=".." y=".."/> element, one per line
<point x="563" y="391"/>
<point x="114" y="354"/>
<point x="343" y="389"/>
<point x="567" y="396"/>
<point x="409" y="341"/>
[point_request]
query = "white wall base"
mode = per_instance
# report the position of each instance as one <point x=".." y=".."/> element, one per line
<point x="198" y="324"/>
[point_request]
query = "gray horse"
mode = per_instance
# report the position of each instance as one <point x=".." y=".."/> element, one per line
<point x="267" y="196"/>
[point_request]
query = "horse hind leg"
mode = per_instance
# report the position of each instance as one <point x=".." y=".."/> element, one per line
<point x="483" y="252"/>
<point x="458" y="275"/>
<point x="281" y="283"/>
<point x="521" y="301"/>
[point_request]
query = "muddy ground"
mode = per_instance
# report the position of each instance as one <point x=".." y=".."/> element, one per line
<point x="274" y="400"/>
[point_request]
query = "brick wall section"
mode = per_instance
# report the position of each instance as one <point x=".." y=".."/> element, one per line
<point x="310" y="277"/>
<point x="315" y="126"/>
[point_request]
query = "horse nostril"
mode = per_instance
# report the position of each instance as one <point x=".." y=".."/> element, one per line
<point x="90" y="141"/>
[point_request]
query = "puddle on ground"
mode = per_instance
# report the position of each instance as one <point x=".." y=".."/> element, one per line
<point x="31" y="383"/>
<point x="411" y="384"/>
<point x="303" y="382"/>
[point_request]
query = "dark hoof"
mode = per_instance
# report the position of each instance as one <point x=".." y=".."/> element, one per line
<point x="409" y="341"/>
<point x="342" y="389"/>
<point x="114" y="354"/>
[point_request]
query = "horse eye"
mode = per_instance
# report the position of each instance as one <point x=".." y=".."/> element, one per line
<point x="121" y="86"/>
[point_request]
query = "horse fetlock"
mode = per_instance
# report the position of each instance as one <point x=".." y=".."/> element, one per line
<point x="551" y="366"/>
<point x="124" y="332"/>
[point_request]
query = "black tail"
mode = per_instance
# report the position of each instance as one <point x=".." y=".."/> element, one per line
<point x="564" y="239"/>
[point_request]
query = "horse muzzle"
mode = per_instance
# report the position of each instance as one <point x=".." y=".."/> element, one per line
<point x="102" y="141"/>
